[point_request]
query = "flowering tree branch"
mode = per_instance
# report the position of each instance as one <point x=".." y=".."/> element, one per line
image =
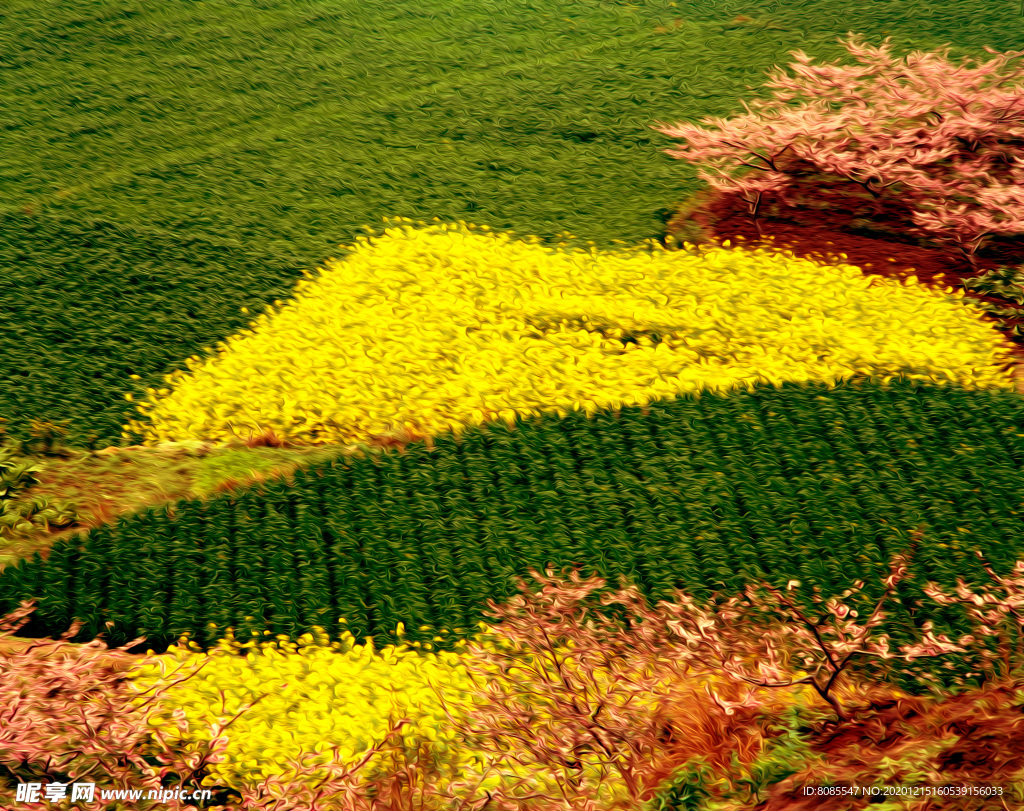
<point x="945" y="139"/>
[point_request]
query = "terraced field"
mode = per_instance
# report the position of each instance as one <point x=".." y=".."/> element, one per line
<point x="234" y="405"/>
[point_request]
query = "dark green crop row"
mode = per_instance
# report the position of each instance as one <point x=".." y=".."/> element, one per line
<point x="700" y="493"/>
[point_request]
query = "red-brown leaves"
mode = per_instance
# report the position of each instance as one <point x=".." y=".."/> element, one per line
<point x="68" y="715"/>
<point x="935" y="140"/>
<point x="590" y="699"/>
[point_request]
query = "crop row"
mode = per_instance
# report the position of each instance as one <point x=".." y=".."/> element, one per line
<point x="702" y="493"/>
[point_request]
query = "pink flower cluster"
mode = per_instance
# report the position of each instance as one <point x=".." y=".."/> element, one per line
<point x="947" y="141"/>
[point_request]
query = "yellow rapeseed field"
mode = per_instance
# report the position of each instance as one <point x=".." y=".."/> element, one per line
<point x="332" y="701"/>
<point x="329" y="700"/>
<point x="318" y="694"/>
<point x="424" y="330"/>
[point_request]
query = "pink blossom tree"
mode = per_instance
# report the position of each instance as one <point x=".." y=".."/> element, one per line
<point x="946" y="141"/>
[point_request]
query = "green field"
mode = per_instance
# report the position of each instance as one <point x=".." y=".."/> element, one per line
<point x="703" y="494"/>
<point x="169" y="171"/>
<point x="165" y="166"/>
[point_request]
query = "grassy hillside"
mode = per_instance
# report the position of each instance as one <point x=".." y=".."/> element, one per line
<point x="169" y="171"/>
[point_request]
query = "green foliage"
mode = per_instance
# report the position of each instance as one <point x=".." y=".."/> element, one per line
<point x="786" y="754"/>
<point x="684" y="791"/>
<point x="16" y="473"/>
<point x="88" y="304"/>
<point x="28" y="516"/>
<point x="1004" y="282"/>
<point x="808" y="483"/>
<point x="167" y="164"/>
<point x="47" y="438"/>
<point x="19" y="515"/>
<point x="237" y="464"/>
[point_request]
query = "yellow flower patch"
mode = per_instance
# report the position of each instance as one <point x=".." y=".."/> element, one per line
<point x="421" y="331"/>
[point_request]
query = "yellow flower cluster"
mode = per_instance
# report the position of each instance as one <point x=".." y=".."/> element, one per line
<point x="426" y="330"/>
<point x="334" y="700"/>
<point x="318" y="695"/>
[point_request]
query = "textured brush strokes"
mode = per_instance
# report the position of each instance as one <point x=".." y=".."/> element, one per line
<point x="702" y="492"/>
<point x="426" y="330"/>
<point x="194" y="132"/>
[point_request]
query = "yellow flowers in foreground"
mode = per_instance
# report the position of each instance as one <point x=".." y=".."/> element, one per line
<point x="336" y="700"/>
<point x="421" y="331"/>
<point x="317" y="695"/>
